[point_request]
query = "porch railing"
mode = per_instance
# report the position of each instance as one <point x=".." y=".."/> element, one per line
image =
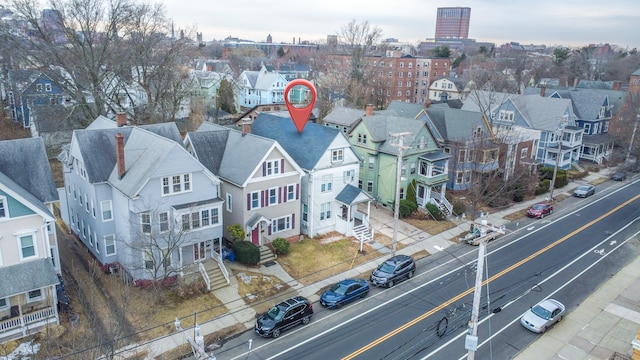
<point x="205" y="276"/>
<point x="35" y="318"/>
<point x="223" y="268"/>
<point x="437" y="198"/>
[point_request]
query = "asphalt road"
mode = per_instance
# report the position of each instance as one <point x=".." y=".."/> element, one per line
<point x="566" y="256"/>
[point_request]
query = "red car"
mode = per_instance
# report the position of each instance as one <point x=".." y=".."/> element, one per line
<point x="538" y="211"/>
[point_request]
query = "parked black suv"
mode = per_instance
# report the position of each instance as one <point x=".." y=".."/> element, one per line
<point x="394" y="270"/>
<point x="286" y="314"/>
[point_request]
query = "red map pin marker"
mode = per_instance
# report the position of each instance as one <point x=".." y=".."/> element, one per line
<point x="300" y="96"/>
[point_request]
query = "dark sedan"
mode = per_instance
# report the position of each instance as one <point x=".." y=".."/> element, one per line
<point x="618" y="176"/>
<point x="344" y="292"/>
<point x="540" y="210"/>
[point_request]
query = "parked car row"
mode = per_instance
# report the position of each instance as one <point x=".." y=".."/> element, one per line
<point x="299" y="310"/>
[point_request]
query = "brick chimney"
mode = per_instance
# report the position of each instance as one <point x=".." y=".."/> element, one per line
<point x="121" y="119"/>
<point x="543" y="89"/>
<point x="369" y="110"/>
<point x="120" y="155"/>
<point x="617" y="85"/>
<point x="246" y="126"/>
<point x="427" y="103"/>
<point x="575" y="82"/>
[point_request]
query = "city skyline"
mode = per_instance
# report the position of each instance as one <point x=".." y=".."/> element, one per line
<point x="570" y="23"/>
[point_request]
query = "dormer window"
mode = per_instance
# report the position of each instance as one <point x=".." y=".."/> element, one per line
<point x="47" y="87"/>
<point x="39" y="87"/>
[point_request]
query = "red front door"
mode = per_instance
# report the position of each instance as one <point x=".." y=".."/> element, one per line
<point x="255" y="235"/>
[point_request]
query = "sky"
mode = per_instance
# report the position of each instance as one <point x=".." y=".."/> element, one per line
<point x="573" y="23"/>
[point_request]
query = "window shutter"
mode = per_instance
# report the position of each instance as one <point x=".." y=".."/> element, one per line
<point x="280" y="195"/>
<point x="282" y="166"/>
<point x="285" y="195"/>
<point x="297" y="191"/>
<point x="293" y="221"/>
<point x="248" y="201"/>
<point x="264" y="169"/>
<point x="263" y="198"/>
<point x="269" y="230"/>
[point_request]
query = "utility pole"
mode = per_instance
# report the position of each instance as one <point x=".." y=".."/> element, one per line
<point x="197" y="345"/>
<point x="555" y="168"/>
<point x="401" y="149"/>
<point x="633" y="135"/>
<point x="471" y="341"/>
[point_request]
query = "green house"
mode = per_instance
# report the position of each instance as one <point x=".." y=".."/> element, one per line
<point x="379" y="138"/>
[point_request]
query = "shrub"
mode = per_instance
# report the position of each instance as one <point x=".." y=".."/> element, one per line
<point x="246" y="252"/>
<point x="236" y="232"/>
<point x="281" y="246"/>
<point x="543" y="186"/>
<point x="434" y="211"/>
<point x="459" y="207"/>
<point x="407" y="207"/>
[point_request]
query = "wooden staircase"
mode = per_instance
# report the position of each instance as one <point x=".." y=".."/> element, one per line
<point x="577" y="166"/>
<point x="266" y="255"/>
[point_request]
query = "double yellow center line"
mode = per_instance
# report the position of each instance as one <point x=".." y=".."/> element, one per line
<point x="494" y="277"/>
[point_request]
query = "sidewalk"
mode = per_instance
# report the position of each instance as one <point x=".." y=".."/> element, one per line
<point x="605" y="323"/>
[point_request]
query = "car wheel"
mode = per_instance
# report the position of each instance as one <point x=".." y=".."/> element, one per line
<point x="306" y="319"/>
<point x="541" y="216"/>
<point x="364" y="294"/>
<point x="390" y="284"/>
<point x="275" y="333"/>
<point x="410" y="275"/>
<point x="550" y="211"/>
<point x="544" y="328"/>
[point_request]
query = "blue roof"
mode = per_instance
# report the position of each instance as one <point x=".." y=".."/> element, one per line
<point x="305" y="148"/>
<point x="348" y="194"/>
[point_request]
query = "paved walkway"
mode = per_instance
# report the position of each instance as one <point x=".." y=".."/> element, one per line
<point x="604" y="324"/>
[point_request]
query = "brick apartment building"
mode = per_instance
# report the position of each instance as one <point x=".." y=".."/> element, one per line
<point x="395" y="77"/>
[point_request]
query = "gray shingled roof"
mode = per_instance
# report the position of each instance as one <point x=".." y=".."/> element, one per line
<point x="27" y="276"/>
<point x="305" y="148"/>
<point x="403" y="109"/>
<point x="344" y="116"/>
<point x="381" y="125"/>
<point x="454" y="124"/>
<point x="228" y="154"/>
<point x="25" y="162"/>
<point x="144" y="152"/>
<point x="98" y="146"/>
<point x="543" y="113"/>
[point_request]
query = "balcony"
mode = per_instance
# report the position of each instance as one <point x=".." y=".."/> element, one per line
<point x="433" y="175"/>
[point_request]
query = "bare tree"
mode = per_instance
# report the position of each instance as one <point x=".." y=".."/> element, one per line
<point x="106" y="49"/>
<point x="357" y="41"/>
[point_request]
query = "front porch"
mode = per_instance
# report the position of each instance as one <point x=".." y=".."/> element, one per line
<point x="20" y="324"/>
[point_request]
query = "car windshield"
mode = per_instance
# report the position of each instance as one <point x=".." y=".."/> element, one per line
<point x="538" y="207"/>
<point x="542" y="312"/>
<point x="386" y="267"/>
<point x="339" y="289"/>
<point x="583" y="188"/>
<point x="275" y="313"/>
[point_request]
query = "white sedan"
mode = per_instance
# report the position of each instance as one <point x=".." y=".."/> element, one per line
<point x="543" y="315"/>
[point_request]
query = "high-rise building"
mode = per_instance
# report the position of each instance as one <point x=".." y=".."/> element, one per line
<point x="453" y="22"/>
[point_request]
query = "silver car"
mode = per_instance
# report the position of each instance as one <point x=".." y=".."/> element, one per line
<point x="584" y="191"/>
<point x="543" y="315"/>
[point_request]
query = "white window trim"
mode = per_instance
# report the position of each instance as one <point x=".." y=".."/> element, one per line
<point x="274" y="228"/>
<point x="106" y="246"/>
<point x="102" y="210"/>
<point x="23" y="234"/>
<point x="229" y="204"/>
<point x="275" y="201"/>
<point x="258" y="200"/>
<point x="34" y="299"/>
<point x="4" y="202"/>
<point x="7" y="304"/>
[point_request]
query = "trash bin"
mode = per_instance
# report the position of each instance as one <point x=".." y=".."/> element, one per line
<point x="232" y="256"/>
